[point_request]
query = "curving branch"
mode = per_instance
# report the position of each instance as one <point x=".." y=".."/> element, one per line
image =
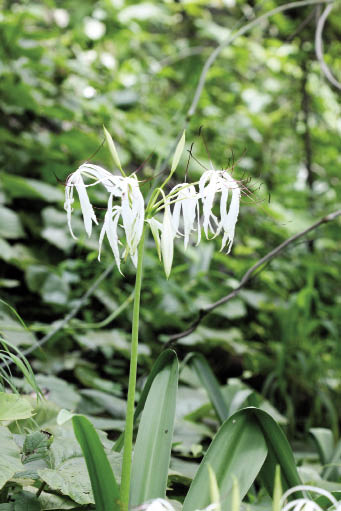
<point x="229" y="40"/>
<point x="319" y="47"/>
<point x="202" y="313"/>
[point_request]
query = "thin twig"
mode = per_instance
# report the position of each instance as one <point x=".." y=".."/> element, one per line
<point x="249" y="274"/>
<point x="319" y="47"/>
<point x="229" y="40"/>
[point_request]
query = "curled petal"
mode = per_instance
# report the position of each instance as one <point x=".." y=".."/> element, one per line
<point x="75" y="180"/>
<point x="229" y="220"/>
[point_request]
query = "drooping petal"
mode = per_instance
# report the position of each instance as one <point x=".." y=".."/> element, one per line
<point x="167" y="240"/>
<point x="229" y="221"/>
<point x="132" y="214"/>
<point x="207" y="194"/>
<point x="86" y="207"/>
<point x="110" y="229"/>
<point x="189" y="207"/>
<point x="68" y="206"/>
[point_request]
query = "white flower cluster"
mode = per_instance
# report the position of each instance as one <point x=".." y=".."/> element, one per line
<point x="183" y="201"/>
<point x="306" y="503"/>
<point x="297" y="504"/>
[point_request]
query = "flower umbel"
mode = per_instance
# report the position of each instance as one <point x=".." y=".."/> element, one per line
<point x="220" y="181"/>
<point x="187" y="208"/>
<point x="131" y="210"/>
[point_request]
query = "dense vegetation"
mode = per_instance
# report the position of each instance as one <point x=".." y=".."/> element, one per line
<point x="268" y="112"/>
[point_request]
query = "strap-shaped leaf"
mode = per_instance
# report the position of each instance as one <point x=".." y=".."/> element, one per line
<point x="324" y="442"/>
<point x="163" y="360"/>
<point x="104" y="486"/>
<point x="154" y="438"/>
<point x="237" y="451"/>
<point x="279" y="452"/>
<point x="210" y="383"/>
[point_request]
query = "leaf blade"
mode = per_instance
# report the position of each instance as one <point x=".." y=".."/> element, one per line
<point x="104" y="486"/>
<point x="238" y="440"/>
<point x="211" y="385"/>
<point x="154" y="438"/>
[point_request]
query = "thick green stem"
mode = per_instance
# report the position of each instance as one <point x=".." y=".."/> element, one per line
<point x="128" y="435"/>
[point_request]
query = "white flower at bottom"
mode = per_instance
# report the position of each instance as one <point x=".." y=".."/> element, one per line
<point x="155" y="505"/>
<point x="305" y="503"/>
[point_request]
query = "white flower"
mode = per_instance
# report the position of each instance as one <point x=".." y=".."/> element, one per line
<point x="131" y="209"/>
<point x="220" y="181"/>
<point x="167" y="239"/>
<point x="155" y="505"/>
<point x="181" y="211"/>
<point x="187" y="200"/>
<point x="305" y="503"/>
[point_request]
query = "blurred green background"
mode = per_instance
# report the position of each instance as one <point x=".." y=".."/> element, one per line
<point x="67" y="68"/>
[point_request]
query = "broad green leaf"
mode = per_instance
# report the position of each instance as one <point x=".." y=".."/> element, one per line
<point x="279" y="452"/>
<point x="211" y="385"/>
<point x="60" y="392"/>
<point x="165" y="358"/>
<point x="10" y="456"/>
<point x="45" y="413"/>
<point x="154" y="438"/>
<point x="22" y="187"/>
<point x="10" y="224"/>
<point x="324" y="442"/>
<point x="113" y="150"/>
<point x="14" y="407"/>
<point x="238" y="441"/>
<point x="104" y="486"/>
<point x="27" y="500"/>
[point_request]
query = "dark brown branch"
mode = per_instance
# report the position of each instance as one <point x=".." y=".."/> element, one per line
<point x="249" y="274"/>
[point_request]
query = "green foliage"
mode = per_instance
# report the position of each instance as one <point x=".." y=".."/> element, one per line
<point x="103" y="482"/>
<point x="67" y="70"/>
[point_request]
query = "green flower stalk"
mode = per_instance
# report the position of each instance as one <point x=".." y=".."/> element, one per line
<point x="125" y="225"/>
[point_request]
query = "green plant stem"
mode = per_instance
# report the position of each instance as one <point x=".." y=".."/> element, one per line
<point x="128" y="435"/>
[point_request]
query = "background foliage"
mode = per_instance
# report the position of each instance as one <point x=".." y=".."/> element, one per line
<point x="67" y="68"/>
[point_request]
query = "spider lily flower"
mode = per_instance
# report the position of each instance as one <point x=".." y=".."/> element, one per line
<point x="155" y="505"/>
<point x="220" y="181"/>
<point x="167" y="238"/>
<point x="131" y="209"/>
<point x="187" y="200"/>
<point x="305" y="503"/>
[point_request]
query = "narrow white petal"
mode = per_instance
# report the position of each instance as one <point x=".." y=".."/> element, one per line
<point x="86" y="207"/>
<point x="208" y="193"/>
<point x="230" y="220"/>
<point x="132" y="213"/>
<point x="167" y="241"/>
<point x="68" y="206"/>
<point x="111" y="232"/>
<point x="189" y="207"/>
